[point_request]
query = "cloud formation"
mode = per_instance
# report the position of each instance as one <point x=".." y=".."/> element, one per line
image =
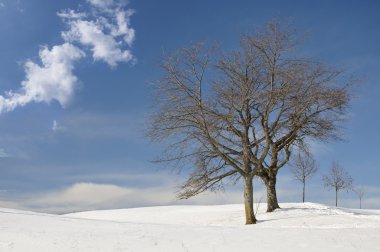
<point x="101" y="3"/>
<point x="104" y="30"/>
<point x="52" y="80"/>
<point x="92" y="196"/>
<point x="85" y="196"/>
<point x="57" y="127"/>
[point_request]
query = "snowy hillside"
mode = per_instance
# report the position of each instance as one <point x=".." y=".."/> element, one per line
<point x="295" y="227"/>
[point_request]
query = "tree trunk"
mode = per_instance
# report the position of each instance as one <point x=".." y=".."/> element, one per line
<point x="248" y="201"/>
<point x="303" y="192"/>
<point x="360" y="203"/>
<point x="336" y="197"/>
<point x="270" y="183"/>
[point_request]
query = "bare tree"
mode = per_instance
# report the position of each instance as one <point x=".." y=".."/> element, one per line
<point x="337" y="179"/>
<point x="232" y="116"/>
<point x="303" y="167"/>
<point x="360" y="192"/>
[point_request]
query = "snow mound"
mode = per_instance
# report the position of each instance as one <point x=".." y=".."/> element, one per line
<point x="294" y="227"/>
<point x="290" y="215"/>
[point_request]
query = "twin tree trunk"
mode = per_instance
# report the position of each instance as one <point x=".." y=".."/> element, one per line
<point x="270" y="183"/>
<point x="248" y="201"/>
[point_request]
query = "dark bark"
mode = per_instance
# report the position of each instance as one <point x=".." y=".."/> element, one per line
<point x="248" y="201"/>
<point x="272" y="203"/>
<point x="336" y="197"/>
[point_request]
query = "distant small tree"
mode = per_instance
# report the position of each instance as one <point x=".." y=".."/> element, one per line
<point x="338" y="179"/>
<point x="360" y="192"/>
<point x="303" y="167"/>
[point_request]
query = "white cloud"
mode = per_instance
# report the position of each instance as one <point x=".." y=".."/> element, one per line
<point x="103" y="46"/>
<point x="123" y="26"/>
<point x="90" y="196"/>
<point x="101" y="3"/>
<point x="57" y="127"/>
<point x="104" y="30"/>
<point x="53" y="80"/>
<point x="108" y="4"/>
<point x="85" y="194"/>
<point x="71" y="14"/>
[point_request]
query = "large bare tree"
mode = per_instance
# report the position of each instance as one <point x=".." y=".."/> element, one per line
<point x="236" y="115"/>
<point x="337" y="179"/>
<point x="303" y="167"/>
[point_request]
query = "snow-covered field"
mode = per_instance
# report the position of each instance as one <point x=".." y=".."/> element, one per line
<point x="295" y="227"/>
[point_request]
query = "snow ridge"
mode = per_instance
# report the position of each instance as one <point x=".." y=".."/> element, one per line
<point x="294" y="227"/>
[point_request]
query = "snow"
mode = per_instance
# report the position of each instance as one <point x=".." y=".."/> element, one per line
<point x="294" y="227"/>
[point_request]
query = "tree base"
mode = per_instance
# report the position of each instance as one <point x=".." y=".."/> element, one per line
<point x="272" y="208"/>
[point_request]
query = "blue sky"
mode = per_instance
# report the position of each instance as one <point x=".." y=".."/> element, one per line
<point x="72" y="130"/>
